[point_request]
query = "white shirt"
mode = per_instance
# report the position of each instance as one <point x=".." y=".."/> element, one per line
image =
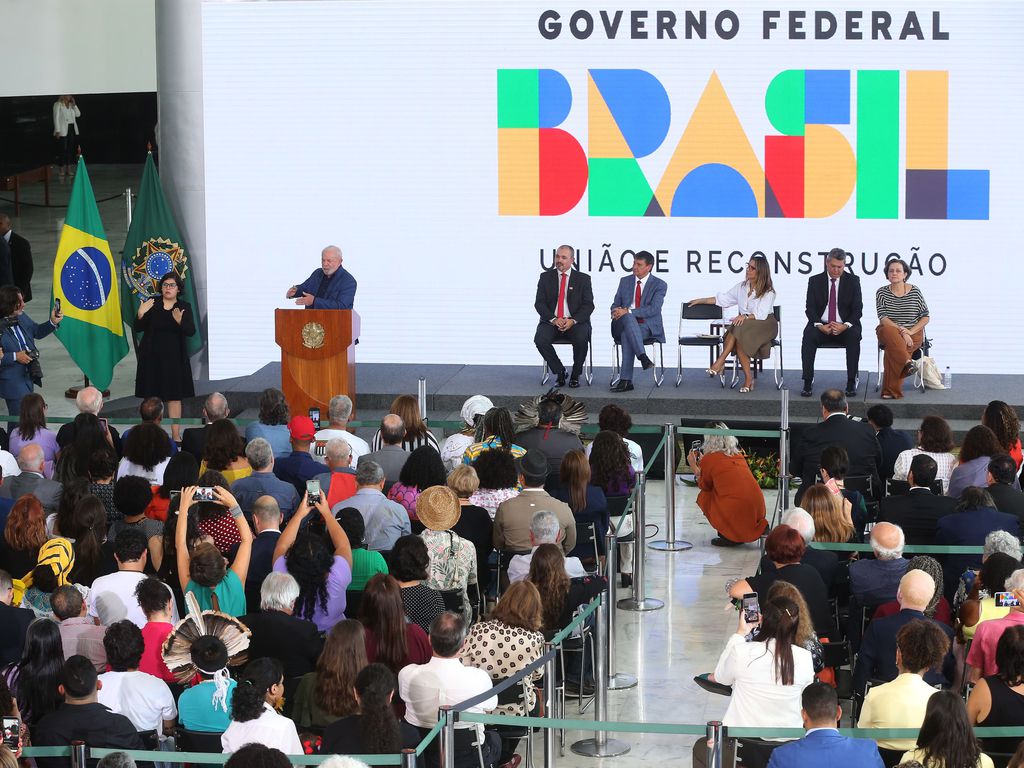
<point x="9" y="464"/>
<point x="519" y="568"/>
<point x="269" y="729"/>
<point x="946" y="464"/>
<point x="643" y="287"/>
<point x="154" y="476"/>
<point x="746" y="304"/>
<point x="142" y="698"/>
<point x="828" y="289"/>
<point x="112" y="598"/>
<point x="441" y="682"/>
<point x="357" y="444"/>
<point x="558" y="284"/>
<point x="64" y="118"/>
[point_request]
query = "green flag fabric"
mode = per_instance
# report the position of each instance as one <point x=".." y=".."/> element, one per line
<point x="152" y="249"/>
<point x="85" y="281"/>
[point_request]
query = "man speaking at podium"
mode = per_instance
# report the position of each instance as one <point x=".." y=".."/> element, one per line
<point x="329" y="287"/>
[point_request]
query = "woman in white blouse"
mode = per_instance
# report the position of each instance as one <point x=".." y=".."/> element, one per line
<point x="934" y="438"/>
<point x="254" y="716"/>
<point x="65" y="130"/>
<point x="754" y="324"/>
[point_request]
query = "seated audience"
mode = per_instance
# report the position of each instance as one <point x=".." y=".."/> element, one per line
<point x="31" y="479"/>
<point x="87" y="528"/>
<point x="112" y="597"/>
<point x="193" y="439"/>
<point x="544" y="529"/>
<point x="892" y="441"/>
<point x="204" y="572"/>
<point x="946" y="738"/>
<point x="147" y="449"/>
<point x="729" y="497"/>
<point x="326" y="694"/>
<point x="980" y="604"/>
<point x="496" y="432"/>
<point x="474" y="523"/>
<point x="998" y="700"/>
<point x="339" y="411"/>
<point x="253" y="717"/>
<point x="552" y="436"/>
<point x="182" y="471"/>
<point x="410" y="565"/>
<point x="935" y="439"/>
<point x="32" y="429"/>
<point x="832" y="521"/>
<point x="263" y="482"/>
<point x="498" y="480"/>
<point x="423" y="469"/>
<point x="298" y="466"/>
<point x="322" y="570"/>
<point x="407" y="408"/>
<point x="614" y="418"/>
<point x="996" y="541"/>
<point x="826" y="563"/>
<point x="586" y="502"/>
<point x="33" y="679"/>
<point x="55" y="564"/>
<point x="981" y="659"/>
<point x="385" y="520"/>
<point x="833" y="469"/>
<point x="278" y="632"/>
<point x="1002" y="419"/>
<point x="89" y="402"/>
<point x="1002" y="485"/>
<point x="272" y="423"/>
<point x="921" y="646"/>
<point x="452" y="558"/>
<point x="876" y="659"/>
<point x="611" y="469"/>
<point x="373" y="729"/>
<point x="974" y="518"/>
<point x="979" y="446"/>
<point x="151" y="411"/>
<point x="938" y="607"/>
<point x="81" y="717"/>
<point x="390" y="639"/>
<point x="512" y="518"/>
<point x="823" y="745"/>
<point x="24" y="534"/>
<point x="266" y="522"/>
<point x="472" y="413"/>
<point x="157" y="603"/>
<point x="142" y="698"/>
<point x="919" y="510"/>
<point x="90" y="438"/>
<point x="100" y="474"/>
<point x="132" y="496"/>
<point x="391" y="456"/>
<point x="784" y="547"/>
<point x="339" y="481"/>
<point x="80" y="635"/>
<point x="875" y="581"/>
<point x="213" y="518"/>
<point x="365" y="562"/>
<point x="206" y="706"/>
<point x="225" y="452"/>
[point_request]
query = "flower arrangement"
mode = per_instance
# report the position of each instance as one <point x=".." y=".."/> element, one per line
<point x="765" y="469"/>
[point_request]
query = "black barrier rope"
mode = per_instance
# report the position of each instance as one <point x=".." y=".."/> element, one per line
<point x="59" y="205"/>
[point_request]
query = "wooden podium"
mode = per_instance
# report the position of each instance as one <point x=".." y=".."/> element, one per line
<point x="317" y="356"/>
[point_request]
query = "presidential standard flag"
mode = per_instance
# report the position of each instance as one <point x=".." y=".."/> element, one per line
<point x="152" y="249"/>
<point x="85" y="281"/>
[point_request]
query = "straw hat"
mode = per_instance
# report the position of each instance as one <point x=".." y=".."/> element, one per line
<point x="438" y="508"/>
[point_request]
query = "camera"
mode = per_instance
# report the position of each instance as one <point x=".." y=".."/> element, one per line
<point x="35" y="370"/>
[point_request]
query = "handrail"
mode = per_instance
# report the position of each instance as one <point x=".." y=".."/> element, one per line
<point x="205" y="758"/>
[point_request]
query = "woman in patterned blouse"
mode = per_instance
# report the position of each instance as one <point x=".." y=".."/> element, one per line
<point x="902" y="316"/>
<point x="452" y="558"/>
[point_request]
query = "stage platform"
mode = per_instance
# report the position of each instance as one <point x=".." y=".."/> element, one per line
<point x="699" y="396"/>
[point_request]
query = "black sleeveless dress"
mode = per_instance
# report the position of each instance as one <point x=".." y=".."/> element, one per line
<point x="1007" y="710"/>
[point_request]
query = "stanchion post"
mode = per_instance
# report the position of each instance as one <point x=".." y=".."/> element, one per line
<point x="408" y="758"/>
<point x="784" y="450"/>
<point x="670" y="543"/>
<point x="637" y="601"/>
<point x="617" y="681"/>
<point x="447" y="737"/>
<point x="421" y="396"/>
<point x="713" y="736"/>
<point x="601" y="745"/>
<point x="549" y="705"/>
<point x="79" y="754"/>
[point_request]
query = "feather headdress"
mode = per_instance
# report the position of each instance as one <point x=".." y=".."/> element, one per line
<point x="574" y="413"/>
<point x="177" y="648"/>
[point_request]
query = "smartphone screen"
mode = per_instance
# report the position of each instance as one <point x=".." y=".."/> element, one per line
<point x="103" y="423"/>
<point x="314" y="414"/>
<point x="56" y="306"/>
<point x="750" y="607"/>
<point x="1006" y="600"/>
<point x="204" y="494"/>
<point x="313" y="491"/>
<point x="12" y="733"/>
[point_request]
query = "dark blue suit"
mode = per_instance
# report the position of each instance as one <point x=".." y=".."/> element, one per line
<point x="15" y="381"/>
<point x="630" y="333"/>
<point x="337" y="292"/>
<point x="969" y="527"/>
<point x="876" y="659"/>
<point x="826" y="747"/>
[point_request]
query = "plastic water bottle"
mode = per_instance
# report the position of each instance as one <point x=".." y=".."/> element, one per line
<point x="947" y="379"/>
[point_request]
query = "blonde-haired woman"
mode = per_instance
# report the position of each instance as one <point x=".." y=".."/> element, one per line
<point x="832" y="520"/>
<point x="729" y="497"/>
<point x="754" y="324"/>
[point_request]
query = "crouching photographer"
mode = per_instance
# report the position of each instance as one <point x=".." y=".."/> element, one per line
<point x="19" y="361"/>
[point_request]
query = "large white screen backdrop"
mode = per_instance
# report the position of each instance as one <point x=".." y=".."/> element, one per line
<point x="374" y="126"/>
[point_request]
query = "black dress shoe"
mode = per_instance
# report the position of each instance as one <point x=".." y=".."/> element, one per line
<point x="623" y="385"/>
<point x="806" y="391"/>
<point x="721" y="541"/>
<point x="574" y="382"/>
<point x="560" y="381"/>
<point x="646" y="362"/>
<point x="851" y="389"/>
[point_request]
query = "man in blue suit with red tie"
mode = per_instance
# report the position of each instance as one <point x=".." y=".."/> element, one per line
<point x="636" y="317"/>
<point x="822" y="745"/>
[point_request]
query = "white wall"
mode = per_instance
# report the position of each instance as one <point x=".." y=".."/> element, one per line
<point x="77" y="46"/>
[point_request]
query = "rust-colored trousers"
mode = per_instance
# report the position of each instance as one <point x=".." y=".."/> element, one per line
<point x="895" y="357"/>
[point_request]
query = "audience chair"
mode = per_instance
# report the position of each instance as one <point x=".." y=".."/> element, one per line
<point x="586" y="536"/>
<point x="353" y="599"/>
<point x="710" y="341"/>
<point x="452" y="600"/>
<point x="516" y="694"/>
<point x="902" y="487"/>
<point x="755" y="752"/>
<point x="923" y="351"/>
<point x="588" y="368"/>
<point x="839" y="656"/>
<point x="504" y="558"/>
<point x="197" y="741"/>
<point x="659" y="369"/>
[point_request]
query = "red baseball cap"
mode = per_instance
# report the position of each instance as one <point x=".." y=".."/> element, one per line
<point x="301" y="428"/>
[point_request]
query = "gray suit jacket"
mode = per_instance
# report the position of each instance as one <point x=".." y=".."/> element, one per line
<point x="47" y="491"/>
<point x="512" y="520"/>
<point x="391" y="459"/>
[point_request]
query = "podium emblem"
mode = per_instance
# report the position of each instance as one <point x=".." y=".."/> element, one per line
<point x="312" y="335"/>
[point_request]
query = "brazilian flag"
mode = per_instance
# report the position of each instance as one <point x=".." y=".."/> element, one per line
<point x="85" y="281"/>
<point x="153" y="248"/>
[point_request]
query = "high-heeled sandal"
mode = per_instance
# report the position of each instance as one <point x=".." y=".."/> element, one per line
<point x="745" y="389"/>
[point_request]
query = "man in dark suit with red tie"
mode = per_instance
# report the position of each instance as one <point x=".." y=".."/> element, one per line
<point x="565" y="301"/>
<point x="834" y="307"/>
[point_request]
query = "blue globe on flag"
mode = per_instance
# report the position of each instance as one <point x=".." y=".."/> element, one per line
<point x="85" y="279"/>
<point x="158" y="264"/>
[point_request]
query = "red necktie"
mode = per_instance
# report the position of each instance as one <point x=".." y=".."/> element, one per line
<point x="561" y="295"/>
<point x="636" y="300"/>
<point x="832" y="302"/>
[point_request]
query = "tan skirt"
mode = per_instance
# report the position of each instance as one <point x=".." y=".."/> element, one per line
<point x="754" y="334"/>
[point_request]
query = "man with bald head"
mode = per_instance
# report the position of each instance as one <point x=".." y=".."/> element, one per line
<point x="876" y="659"/>
<point x="873" y="582"/>
<point x="392" y="456"/>
<point x="266" y="519"/>
<point x="31" y="479"/>
<point x="88" y="400"/>
<point x="193" y="439"/>
<point x="329" y="287"/>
